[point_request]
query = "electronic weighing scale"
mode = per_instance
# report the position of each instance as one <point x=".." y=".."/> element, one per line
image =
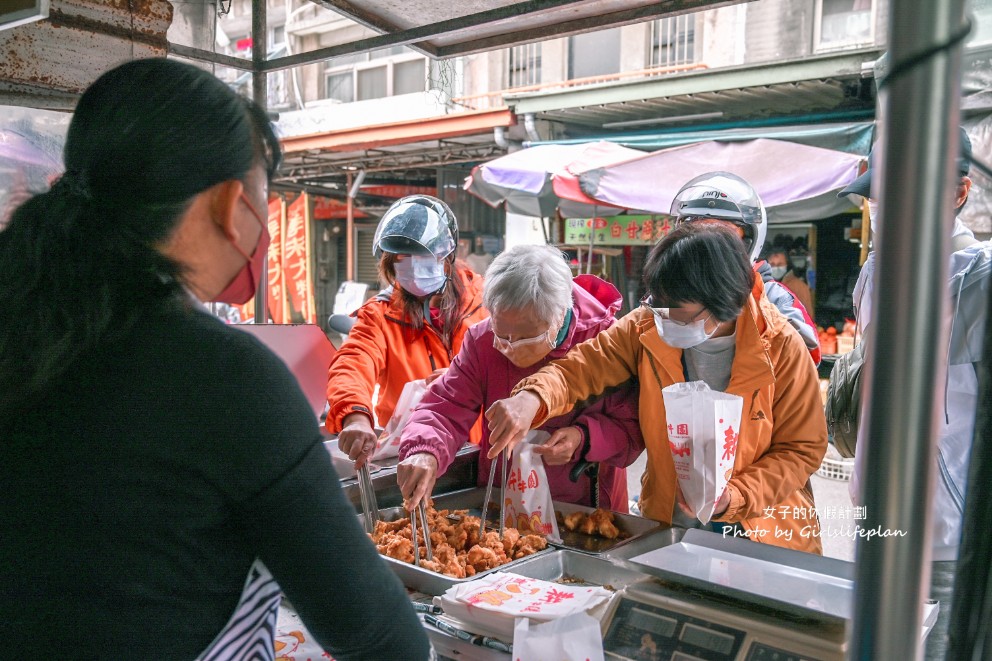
<point x="731" y="599"/>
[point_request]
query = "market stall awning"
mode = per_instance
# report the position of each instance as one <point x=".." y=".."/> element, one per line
<point x="827" y="88"/>
<point x="421" y="143"/>
<point x="783" y="173"/>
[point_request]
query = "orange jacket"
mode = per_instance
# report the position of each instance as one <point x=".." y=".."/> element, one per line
<point x="783" y="434"/>
<point x="383" y="349"/>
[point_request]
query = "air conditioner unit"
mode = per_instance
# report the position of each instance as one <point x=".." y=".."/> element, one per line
<point x="19" y="12"/>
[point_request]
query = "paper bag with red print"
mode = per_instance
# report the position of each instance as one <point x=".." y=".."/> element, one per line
<point x="703" y="426"/>
<point x="528" y="496"/>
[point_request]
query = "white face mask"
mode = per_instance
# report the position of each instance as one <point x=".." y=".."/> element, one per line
<point x="683" y="336"/>
<point x="874" y="217"/>
<point x="420" y="275"/>
<point x="778" y="272"/>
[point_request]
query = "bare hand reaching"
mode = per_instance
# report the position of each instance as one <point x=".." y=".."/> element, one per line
<point x="509" y="421"/>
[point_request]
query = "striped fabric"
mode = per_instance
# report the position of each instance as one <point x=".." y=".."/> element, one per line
<point x="250" y="633"/>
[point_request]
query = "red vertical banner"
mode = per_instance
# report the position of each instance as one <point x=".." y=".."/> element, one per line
<point x="277" y="289"/>
<point x="296" y="262"/>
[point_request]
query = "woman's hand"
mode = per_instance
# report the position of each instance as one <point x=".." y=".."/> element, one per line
<point x="416" y="476"/>
<point x="680" y="501"/>
<point x="435" y="375"/>
<point x="357" y="438"/>
<point x="510" y="420"/>
<point x="723" y="503"/>
<point x="560" y="448"/>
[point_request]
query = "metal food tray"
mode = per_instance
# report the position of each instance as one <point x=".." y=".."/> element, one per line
<point x="425" y="580"/>
<point x="630" y="527"/>
<point x="574" y="568"/>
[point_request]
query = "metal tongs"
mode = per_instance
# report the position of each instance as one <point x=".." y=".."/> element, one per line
<point x="489" y="493"/>
<point x="421" y="511"/>
<point x="370" y="507"/>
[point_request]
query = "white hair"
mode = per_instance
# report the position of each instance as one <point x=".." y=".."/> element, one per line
<point x="529" y="276"/>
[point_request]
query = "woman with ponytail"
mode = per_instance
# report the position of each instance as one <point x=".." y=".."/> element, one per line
<point x="412" y="329"/>
<point x="151" y="457"/>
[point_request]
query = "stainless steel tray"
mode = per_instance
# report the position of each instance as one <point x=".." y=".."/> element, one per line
<point x="630" y="527"/>
<point x="573" y="568"/>
<point x="425" y="580"/>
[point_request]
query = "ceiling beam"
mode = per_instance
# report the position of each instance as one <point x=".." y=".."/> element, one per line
<point x="585" y="24"/>
<point x="418" y="34"/>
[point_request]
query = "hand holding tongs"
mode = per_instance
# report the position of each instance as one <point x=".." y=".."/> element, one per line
<point x="421" y="511"/>
<point x="370" y="508"/>
<point x="489" y="493"/>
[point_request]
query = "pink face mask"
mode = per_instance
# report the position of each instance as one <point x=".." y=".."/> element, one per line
<point x="240" y="290"/>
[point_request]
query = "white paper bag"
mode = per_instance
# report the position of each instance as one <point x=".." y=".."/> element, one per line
<point x="575" y="637"/>
<point x="389" y="441"/>
<point x="528" y="496"/>
<point x="703" y="427"/>
<point x="492" y="603"/>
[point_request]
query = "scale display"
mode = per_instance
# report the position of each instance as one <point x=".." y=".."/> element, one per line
<point x="645" y="632"/>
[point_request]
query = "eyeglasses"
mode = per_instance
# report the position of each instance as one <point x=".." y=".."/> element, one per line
<point x="502" y="344"/>
<point x="665" y="313"/>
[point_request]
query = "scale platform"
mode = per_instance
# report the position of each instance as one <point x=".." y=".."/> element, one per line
<point x="719" y="598"/>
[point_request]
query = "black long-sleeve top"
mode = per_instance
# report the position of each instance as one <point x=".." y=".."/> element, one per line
<point x="135" y="497"/>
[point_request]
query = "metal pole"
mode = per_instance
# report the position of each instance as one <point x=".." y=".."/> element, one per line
<point x="259" y="92"/>
<point x="349" y="240"/>
<point x="919" y="130"/>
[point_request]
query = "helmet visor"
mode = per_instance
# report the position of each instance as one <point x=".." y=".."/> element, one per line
<point x="721" y="196"/>
<point x="414" y="229"/>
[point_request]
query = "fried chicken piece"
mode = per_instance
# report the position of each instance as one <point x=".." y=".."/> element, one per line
<point x="510" y="538"/>
<point x="471" y="527"/>
<point x="399" y="548"/>
<point x="528" y="545"/>
<point x="432" y="565"/>
<point x="481" y="558"/>
<point x="492" y="541"/>
<point x="588" y="526"/>
<point x="574" y="520"/>
<point x="599" y="515"/>
<point x="607" y="529"/>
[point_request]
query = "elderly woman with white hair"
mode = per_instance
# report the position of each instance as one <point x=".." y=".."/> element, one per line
<point x="538" y="312"/>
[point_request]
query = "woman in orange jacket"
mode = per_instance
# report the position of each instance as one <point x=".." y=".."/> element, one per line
<point x="411" y="329"/>
<point x="709" y="320"/>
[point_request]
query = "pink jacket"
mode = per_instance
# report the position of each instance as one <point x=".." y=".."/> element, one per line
<point x="480" y="375"/>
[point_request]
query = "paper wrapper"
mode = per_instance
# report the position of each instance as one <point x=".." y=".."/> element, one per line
<point x="491" y="603"/>
<point x="575" y="637"/>
<point x="529" y="507"/>
<point x="389" y="442"/>
<point x="703" y="427"/>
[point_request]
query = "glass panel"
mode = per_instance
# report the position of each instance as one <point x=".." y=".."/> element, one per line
<point x="340" y="86"/>
<point x="372" y="83"/>
<point x="594" y="53"/>
<point x="673" y="41"/>
<point x="409" y="77"/>
<point x="525" y="65"/>
<point x="845" y="22"/>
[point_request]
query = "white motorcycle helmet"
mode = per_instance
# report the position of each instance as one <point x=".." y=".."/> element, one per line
<point x="723" y="196"/>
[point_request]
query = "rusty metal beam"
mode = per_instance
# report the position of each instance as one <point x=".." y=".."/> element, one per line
<point x="48" y="63"/>
<point x="357" y="14"/>
<point x="202" y="55"/>
<point x="586" y="24"/>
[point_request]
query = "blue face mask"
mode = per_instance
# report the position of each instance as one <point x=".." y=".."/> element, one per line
<point x="420" y="275"/>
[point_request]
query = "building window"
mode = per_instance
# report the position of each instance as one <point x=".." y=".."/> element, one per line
<point x="594" y="54"/>
<point x="673" y="41"/>
<point x="371" y="77"/>
<point x="525" y="65"/>
<point x="844" y="23"/>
